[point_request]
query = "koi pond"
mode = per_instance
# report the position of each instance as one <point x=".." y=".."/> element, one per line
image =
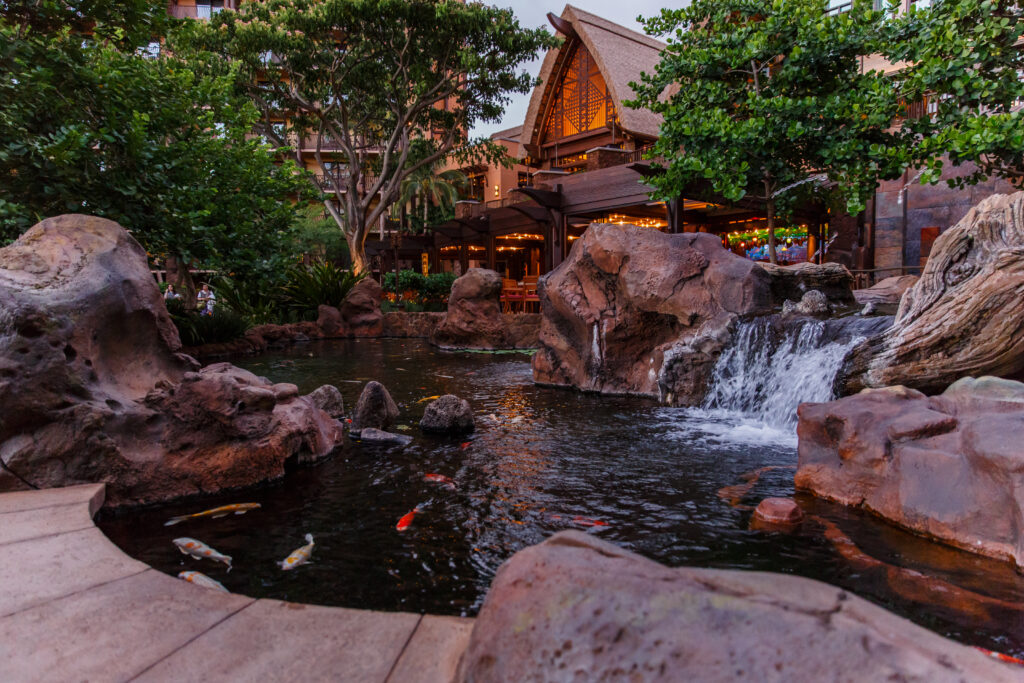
<point x="676" y="485"/>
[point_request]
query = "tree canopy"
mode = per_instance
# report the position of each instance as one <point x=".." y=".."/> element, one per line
<point x="765" y="99"/>
<point x="92" y="120"/>
<point x="385" y="87"/>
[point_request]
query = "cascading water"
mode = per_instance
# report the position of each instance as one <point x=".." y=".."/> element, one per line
<point x="774" y="365"/>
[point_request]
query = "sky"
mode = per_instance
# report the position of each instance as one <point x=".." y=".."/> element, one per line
<point x="533" y="14"/>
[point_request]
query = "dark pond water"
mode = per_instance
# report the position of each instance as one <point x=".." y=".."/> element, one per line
<point x="543" y="460"/>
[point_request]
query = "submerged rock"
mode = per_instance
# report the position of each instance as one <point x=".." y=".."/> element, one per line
<point x="94" y="389"/>
<point x="577" y="608"/>
<point x="448" y="415"/>
<point x="379" y="436"/>
<point x="965" y="315"/>
<point x="950" y="467"/>
<point x="328" y="399"/>
<point x="778" y="512"/>
<point x="375" y="408"/>
<point x="637" y="311"/>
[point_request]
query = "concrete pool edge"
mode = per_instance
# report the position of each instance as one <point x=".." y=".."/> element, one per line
<point x="74" y="606"/>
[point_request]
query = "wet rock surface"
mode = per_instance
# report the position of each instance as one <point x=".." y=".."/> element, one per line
<point x="379" y="436"/>
<point x="374" y="409"/>
<point x="448" y="414"/>
<point x="96" y="390"/>
<point x="813" y="303"/>
<point x="409" y="324"/>
<point x="577" y="608"/>
<point x="474" y="319"/>
<point x="791" y="283"/>
<point x="637" y="311"/>
<point x="965" y="316"/>
<point x="328" y="399"/>
<point x="949" y="467"/>
<point x="778" y="512"/>
<point x="887" y="291"/>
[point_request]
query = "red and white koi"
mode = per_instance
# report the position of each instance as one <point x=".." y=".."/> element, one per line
<point x="407" y="518"/>
<point x="299" y="556"/>
<point x="215" y="513"/>
<point x="444" y="481"/>
<point x="200" y="579"/>
<point x="199" y="550"/>
<point x="582" y="521"/>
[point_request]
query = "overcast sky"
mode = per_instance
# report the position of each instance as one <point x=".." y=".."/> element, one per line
<point x="533" y="13"/>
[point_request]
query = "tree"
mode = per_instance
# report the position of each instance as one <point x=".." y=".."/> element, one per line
<point x="963" y="59"/>
<point x="372" y="81"/>
<point x="91" y="121"/>
<point x="765" y="99"/>
<point x="431" y="186"/>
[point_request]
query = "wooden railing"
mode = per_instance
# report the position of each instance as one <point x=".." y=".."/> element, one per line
<point x="633" y="156"/>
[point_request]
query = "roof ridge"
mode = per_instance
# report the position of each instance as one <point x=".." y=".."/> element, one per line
<point x="608" y="25"/>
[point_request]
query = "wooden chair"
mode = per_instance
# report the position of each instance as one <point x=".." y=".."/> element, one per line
<point x="511" y="294"/>
<point x="530" y="296"/>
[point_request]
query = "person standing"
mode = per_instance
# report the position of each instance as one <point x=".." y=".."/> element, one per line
<point x="206" y="299"/>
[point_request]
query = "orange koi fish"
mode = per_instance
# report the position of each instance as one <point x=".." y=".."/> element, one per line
<point x="406" y="519"/>
<point x="465" y="444"/>
<point x="440" y="479"/>
<point x="299" y="556"/>
<point x="200" y="579"/>
<point x="999" y="656"/>
<point x="216" y="513"/>
<point x="199" y="550"/>
<point x="582" y="521"/>
<point x="428" y="398"/>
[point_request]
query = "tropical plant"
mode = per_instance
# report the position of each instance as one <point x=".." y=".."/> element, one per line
<point x="257" y="305"/>
<point x="766" y="100"/>
<point x="432" y="188"/>
<point x="371" y="80"/>
<point x="322" y="282"/>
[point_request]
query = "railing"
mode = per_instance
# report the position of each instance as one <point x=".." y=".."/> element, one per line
<point x="633" y="156"/>
<point x="341" y="176"/>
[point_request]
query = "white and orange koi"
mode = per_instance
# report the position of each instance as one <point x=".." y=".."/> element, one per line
<point x="215" y="513"/>
<point x="440" y="479"/>
<point x="199" y="550"/>
<point x="299" y="556"/>
<point x="201" y="579"/>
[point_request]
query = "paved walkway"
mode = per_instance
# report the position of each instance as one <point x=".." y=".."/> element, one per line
<point x="73" y="607"/>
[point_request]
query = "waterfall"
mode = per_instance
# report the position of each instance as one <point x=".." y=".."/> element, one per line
<point x="774" y="365"/>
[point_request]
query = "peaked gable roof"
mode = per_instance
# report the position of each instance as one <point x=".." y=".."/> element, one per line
<point x="620" y="53"/>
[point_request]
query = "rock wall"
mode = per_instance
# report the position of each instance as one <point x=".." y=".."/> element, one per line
<point x="965" y="316"/>
<point x="95" y="389"/>
<point x="791" y="283"/>
<point x="577" y="608"/>
<point x="474" y="319"/>
<point x="636" y="311"/>
<point x="950" y="467"/>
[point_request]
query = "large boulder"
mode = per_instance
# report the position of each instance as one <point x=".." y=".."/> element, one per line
<point x="94" y="388"/>
<point x="637" y="311"/>
<point x="358" y="316"/>
<point x="474" y="319"/>
<point x="410" y="324"/>
<point x="790" y="283"/>
<point x="577" y="608"/>
<point x="965" y="316"/>
<point x="448" y="414"/>
<point x="375" y="409"/>
<point x="328" y="399"/>
<point x="888" y="291"/>
<point x="950" y="467"/>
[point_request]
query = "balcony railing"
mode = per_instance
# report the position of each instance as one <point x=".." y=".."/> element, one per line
<point x="637" y="154"/>
<point x="340" y="175"/>
<point x="198" y="11"/>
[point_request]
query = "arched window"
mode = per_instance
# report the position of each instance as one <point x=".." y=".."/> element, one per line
<point x="581" y="102"/>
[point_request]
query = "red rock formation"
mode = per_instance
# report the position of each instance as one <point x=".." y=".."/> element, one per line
<point x="637" y="311"/>
<point x="777" y="512"/>
<point x="950" y="467"/>
<point x="577" y="608"/>
<point x="474" y="319"/>
<point x="94" y="389"/>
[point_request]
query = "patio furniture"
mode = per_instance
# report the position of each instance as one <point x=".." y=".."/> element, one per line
<point x="511" y="294"/>
<point x="531" y="300"/>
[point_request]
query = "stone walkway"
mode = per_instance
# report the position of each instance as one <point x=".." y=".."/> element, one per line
<point x="74" y="607"/>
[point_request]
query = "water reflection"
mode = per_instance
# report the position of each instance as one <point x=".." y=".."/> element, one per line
<point x="640" y="475"/>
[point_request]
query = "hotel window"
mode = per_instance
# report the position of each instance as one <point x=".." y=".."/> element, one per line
<point x="204" y="10"/>
<point x="523" y="180"/>
<point x="581" y="102"/>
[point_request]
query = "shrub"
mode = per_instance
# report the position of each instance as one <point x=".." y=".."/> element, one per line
<point x="322" y="282"/>
<point x="196" y="330"/>
<point x="256" y="304"/>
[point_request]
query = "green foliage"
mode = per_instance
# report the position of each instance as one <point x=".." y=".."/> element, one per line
<point x="317" y="234"/>
<point x="378" y="78"/>
<point x="90" y="123"/>
<point x="764" y="94"/>
<point x="964" y="57"/>
<point x="433" y="288"/>
<point x="196" y="330"/>
<point x="322" y="282"/>
<point x="255" y="304"/>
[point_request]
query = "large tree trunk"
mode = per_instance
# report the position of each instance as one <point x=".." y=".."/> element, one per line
<point x="770" y="207"/>
<point x="354" y="229"/>
<point x="179" y="276"/>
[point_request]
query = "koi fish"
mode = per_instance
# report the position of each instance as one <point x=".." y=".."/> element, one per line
<point x="465" y="444"/>
<point x="440" y="479"/>
<point x="582" y="521"/>
<point x="300" y="555"/>
<point x="199" y="550"/>
<point x="406" y="519"/>
<point x="428" y="398"/>
<point x="999" y="656"/>
<point x="200" y="579"/>
<point x="216" y="513"/>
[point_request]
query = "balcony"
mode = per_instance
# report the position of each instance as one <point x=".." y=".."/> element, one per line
<point x="199" y="11"/>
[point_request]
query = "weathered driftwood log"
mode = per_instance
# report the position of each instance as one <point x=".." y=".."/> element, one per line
<point x="965" y="316"/>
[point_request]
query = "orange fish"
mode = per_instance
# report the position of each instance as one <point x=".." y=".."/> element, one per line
<point x="406" y="519"/>
<point x="1001" y="657"/>
<point x="584" y="521"/>
<point x="465" y="445"/>
<point x="440" y="479"/>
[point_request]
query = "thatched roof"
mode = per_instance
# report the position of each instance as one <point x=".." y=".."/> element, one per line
<point x="621" y="55"/>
